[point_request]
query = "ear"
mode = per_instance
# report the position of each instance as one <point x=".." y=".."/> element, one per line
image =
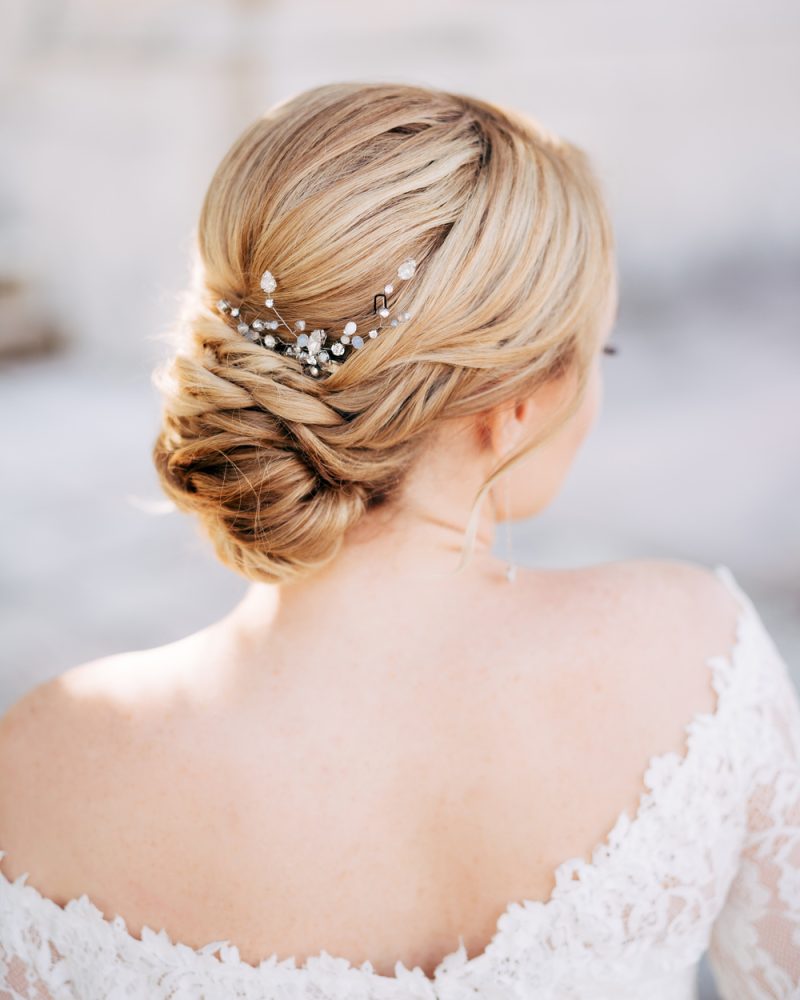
<point x="502" y="427"/>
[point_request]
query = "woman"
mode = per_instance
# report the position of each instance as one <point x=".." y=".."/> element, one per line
<point x="400" y="767"/>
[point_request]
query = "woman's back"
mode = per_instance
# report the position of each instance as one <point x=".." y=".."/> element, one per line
<point x="371" y="796"/>
<point x="381" y="753"/>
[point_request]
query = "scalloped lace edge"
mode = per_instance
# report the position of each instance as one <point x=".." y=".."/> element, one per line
<point x="660" y="772"/>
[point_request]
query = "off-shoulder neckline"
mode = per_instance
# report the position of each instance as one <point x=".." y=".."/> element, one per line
<point x="659" y="771"/>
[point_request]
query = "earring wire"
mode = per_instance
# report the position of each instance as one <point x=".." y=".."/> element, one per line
<point x="511" y="568"/>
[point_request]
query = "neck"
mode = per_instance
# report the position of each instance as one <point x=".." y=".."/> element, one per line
<point x="389" y="557"/>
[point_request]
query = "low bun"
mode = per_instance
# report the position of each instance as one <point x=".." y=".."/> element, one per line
<point x="263" y="461"/>
<point x="329" y="191"/>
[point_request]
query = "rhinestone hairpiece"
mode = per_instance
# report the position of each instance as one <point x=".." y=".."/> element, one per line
<point x="314" y="350"/>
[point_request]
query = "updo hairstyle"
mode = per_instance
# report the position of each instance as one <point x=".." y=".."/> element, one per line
<point x="330" y="190"/>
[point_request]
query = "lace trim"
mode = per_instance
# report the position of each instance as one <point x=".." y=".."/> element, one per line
<point x="518" y="925"/>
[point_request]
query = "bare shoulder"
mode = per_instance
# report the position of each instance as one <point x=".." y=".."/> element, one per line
<point x="643" y="596"/>
<point x="50" y="715"/>
<point x="656" y="623"/>
<point x="670" y="591"/>
<point x="62" y="745"/>
<point x="66" y="711"/>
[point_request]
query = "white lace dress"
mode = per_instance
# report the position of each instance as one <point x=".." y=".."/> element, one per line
<point x="711" y="861"/>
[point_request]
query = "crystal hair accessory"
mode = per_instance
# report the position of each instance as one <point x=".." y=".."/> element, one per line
<point x="318" y="351"/>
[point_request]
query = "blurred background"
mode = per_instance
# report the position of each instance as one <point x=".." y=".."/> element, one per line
<point x="112" y="120"/>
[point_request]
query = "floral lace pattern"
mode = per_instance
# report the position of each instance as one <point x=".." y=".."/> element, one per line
<point x="710" y="862"/>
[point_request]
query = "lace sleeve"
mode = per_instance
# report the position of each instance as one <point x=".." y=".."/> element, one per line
<point x="754" y="950"/>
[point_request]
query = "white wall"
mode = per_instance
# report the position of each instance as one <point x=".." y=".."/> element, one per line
<point x="114" y="116"/>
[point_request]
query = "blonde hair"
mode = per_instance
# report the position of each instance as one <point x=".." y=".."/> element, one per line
<point x="330" y="190"/>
